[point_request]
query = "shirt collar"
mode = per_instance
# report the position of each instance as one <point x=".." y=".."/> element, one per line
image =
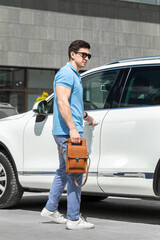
<point x="72" y="67"/>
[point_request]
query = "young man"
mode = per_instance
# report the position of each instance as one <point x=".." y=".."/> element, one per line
<point x="68" y="118"/>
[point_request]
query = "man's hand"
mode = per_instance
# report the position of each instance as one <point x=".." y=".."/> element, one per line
<point x="74" y="135"/>
<point x="90" y="120"/>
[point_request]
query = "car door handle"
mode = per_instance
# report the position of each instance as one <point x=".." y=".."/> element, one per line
<point x="95" y="123"/>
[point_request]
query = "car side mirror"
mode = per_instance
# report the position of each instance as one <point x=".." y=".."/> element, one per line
<point x="41" y="108"/>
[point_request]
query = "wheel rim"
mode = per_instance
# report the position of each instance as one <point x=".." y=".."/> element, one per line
<point x="3" y="180"/>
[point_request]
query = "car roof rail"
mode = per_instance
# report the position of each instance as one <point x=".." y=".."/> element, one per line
<point x="135" y="59"/>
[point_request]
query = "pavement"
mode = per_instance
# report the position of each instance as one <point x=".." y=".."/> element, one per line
<point x="114" y="218"/>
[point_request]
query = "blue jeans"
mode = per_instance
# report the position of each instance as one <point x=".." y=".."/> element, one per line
<point x="61" y="179"/>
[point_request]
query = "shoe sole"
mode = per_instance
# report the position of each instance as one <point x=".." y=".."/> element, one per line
<point x="79" y="228"/>
<point x="53" y="220"/>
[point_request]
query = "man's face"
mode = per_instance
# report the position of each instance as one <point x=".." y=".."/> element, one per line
<point x="81" y="57"/>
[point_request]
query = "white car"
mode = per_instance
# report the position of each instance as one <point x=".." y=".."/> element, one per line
<point x="124" y="145"/>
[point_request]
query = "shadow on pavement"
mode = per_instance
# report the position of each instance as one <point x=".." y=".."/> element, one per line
<point x="117" y="209"/>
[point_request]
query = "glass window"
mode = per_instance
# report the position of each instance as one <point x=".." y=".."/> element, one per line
<point x="142" y="88"/>
<point x="39" y="81"/>
<point x="50" y="106"/>
<point x="96" y="88"/>
<point x="7" y="110"/>
<point x="12" y="87"/>
<point x="20" y="87"/>
<point x="144" y="1"/>
<point x="12" y="78"/>
<point x="16" y="99"/>
<point x="149" y="1"/>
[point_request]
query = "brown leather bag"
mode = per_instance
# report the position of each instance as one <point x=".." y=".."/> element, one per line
<point x="76" y="159"/>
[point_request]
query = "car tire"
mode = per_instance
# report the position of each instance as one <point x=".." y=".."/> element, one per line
<point x="10" y="189"/>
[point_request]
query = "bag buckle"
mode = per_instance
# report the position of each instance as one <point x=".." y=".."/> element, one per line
<point x="77" y="159"/>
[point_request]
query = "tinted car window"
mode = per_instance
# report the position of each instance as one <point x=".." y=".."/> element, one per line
<point x="142" y="88"/>
<point x="96" y="88"/>
<point x="50" y="106"/>
<point x="6" y="110"/>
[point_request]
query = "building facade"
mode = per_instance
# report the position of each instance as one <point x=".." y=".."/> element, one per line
<point x="35" y="35"/>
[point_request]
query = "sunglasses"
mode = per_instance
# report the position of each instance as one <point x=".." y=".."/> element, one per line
<point x="84" y="55"/>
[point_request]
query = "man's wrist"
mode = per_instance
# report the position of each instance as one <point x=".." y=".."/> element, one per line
<point x="72" y="128"/>
<point x="86" y="115"/>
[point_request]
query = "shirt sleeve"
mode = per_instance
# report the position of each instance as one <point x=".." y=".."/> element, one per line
<point x="64" y="78"/>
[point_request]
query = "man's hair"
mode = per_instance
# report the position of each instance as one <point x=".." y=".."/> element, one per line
<point x="76" y="45"/>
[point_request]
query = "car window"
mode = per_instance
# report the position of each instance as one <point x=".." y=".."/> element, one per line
<point x="142" y="88"/>
<point x="96" y="88"/>
<point x="50" y="106"/>
<point x="6" y="112"/>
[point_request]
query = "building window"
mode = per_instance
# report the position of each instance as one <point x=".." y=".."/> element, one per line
<point x="145" y="1"/>
<point x="150" y="1"/>
<point x="38" y="81"/>
<point x="20" y="86"/>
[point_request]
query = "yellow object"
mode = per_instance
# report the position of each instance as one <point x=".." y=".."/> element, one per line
<point x="43" y="97"/>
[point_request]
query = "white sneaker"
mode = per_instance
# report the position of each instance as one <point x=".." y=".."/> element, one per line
<point x="54" y="216"/>
<point x="79" y="224"/>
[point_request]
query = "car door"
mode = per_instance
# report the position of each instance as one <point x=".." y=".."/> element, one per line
<point x="40" y="150"/>
<point x="130" y="136"/>
<point x="96" y="88"/>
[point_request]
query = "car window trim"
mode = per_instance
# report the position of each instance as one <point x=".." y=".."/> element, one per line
<point x="112" y="101"/>
<point x="124" y="85"/>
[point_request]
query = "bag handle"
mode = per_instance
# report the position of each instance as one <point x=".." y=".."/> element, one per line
<point x="67" y="141"/>
<point x="85" y="180"/>
<point x="83" y="141"/>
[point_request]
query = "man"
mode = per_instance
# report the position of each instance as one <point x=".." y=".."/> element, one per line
<point x="68" y="118"/>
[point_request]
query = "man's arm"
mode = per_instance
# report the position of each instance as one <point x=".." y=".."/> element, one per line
<point x="63" y="95"/>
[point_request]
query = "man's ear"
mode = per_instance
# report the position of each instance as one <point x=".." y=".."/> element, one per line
<point x="72" y="55"/>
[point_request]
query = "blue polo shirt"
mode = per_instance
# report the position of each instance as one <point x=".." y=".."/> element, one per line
<point x="68" y="77"/>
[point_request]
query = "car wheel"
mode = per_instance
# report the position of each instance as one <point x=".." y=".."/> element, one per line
<point x="10" y="190"/>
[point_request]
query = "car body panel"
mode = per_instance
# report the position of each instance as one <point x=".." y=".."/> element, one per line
<point x="126" y="156"/>
<point x="11" y="136"/>
<point x="40" y="149"/>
